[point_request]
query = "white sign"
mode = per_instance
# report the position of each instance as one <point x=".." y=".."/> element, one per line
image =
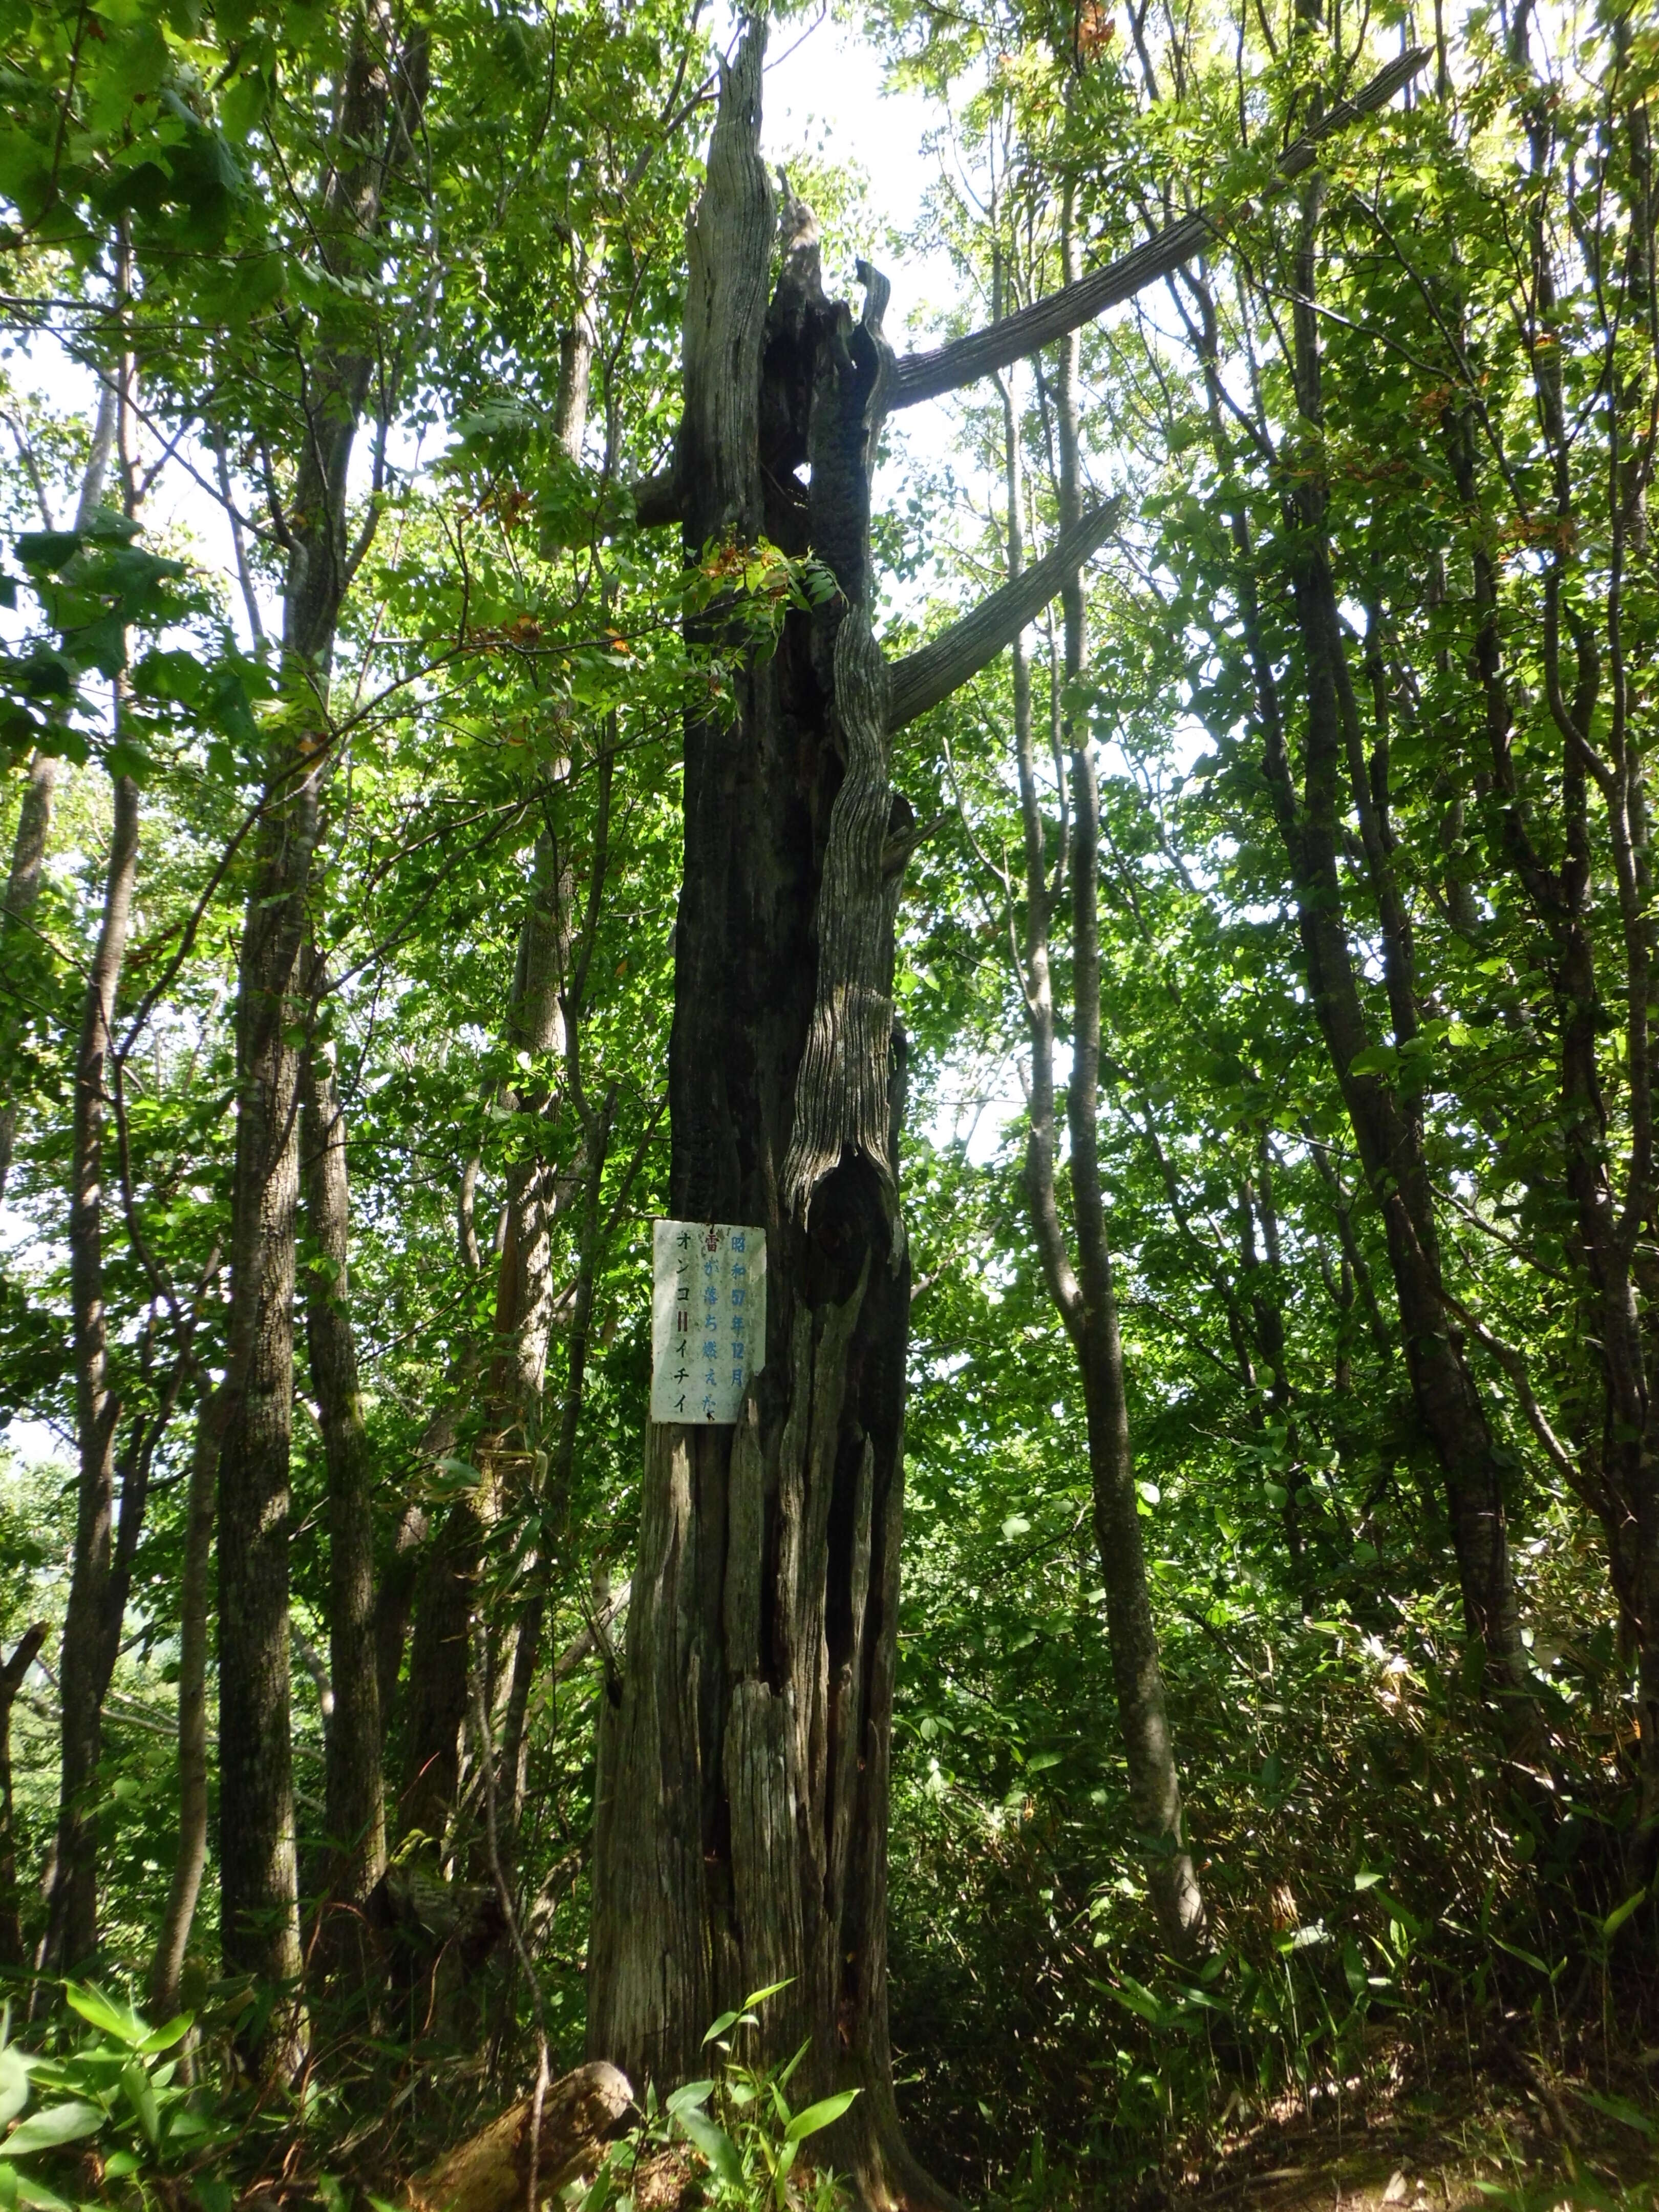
<point x="707" y="1318"/>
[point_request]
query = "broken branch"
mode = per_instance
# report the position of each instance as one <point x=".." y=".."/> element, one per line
<point x="922" y="678"/>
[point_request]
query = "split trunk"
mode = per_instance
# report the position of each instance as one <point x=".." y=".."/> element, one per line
<point x="741" y="1824"/>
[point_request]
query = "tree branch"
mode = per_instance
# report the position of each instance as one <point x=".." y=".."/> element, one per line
<point x="945" y="369"/>
<point x="922" y="678"/>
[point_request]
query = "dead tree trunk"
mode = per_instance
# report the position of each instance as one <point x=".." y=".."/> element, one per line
<point x="741" y="1825"/>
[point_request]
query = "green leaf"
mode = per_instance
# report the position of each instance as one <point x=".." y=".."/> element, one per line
<point x="116" y="2020"/>
<point x="1135" y="1997"/>
<point x="1376" y="1060"/>
<point x="173" y="2031"/>
<point x="51" y="551"/>
<point x="687" y="2096"/>
<point x="770" y="1990"/>
<point x="821" y="2115"/>
<point x="1621" y="1913"/>
<point x="1616" y="2108"/>
<point x="716" y="2146"/>
<point x="14" y="2083"/>
<point x="140" y="2093"/>
<point x="36" y="2195"/>
<point x="1353" y="1968"/>
<point x="58" y="2124"/>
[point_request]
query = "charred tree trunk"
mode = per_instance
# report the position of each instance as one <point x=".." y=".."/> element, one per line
<point x="742" y="1798"/>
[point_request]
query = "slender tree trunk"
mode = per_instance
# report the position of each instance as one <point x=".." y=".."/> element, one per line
<point x="1388" y="1125"/>
<point x="258" y="1875"/>
<point x="550" y="1494"/>
<point x="1386" y="1128"/>
<point x="1082" y="1289"/>
<point x="35" y="815"/>
<point x="440" y="1698"/>
<point x="22" y="896"/>
<point x="190" y="1856"/>
<point x="11" y="1681"/>
<point x="554" y="1499"/>
<point x="394" y="1598"/>
<point x="73" y="1929"/>
<point x="259" y="1904"/>
<point x="741" y="1814"/>
<point x="1154" y="1784"/>
<point x="437" y="1697"/>
<point x="353" y="1792"/>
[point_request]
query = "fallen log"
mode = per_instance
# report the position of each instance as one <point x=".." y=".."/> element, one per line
<point x="490" y="2171"/>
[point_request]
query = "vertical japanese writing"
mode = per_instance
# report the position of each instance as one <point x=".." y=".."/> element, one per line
<point x="708" y="1318"/>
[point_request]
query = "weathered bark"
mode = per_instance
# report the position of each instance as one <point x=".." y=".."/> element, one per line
<point x="354" y="1791"/>
<point x="190" y="1856"/>
<point x="937" y="669"/>
<point x="259" y="1916"/>
<point x="16" y="1667"/>
<point x="492" y="2170"/>
<point x="72" y="1936"/>
<point x="740" y="1832"/>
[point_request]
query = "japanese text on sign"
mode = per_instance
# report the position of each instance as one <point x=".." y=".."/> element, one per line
<point x="707" y="1318"/>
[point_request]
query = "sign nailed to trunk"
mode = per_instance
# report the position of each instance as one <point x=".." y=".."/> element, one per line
<point x="707" y="1318"/>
